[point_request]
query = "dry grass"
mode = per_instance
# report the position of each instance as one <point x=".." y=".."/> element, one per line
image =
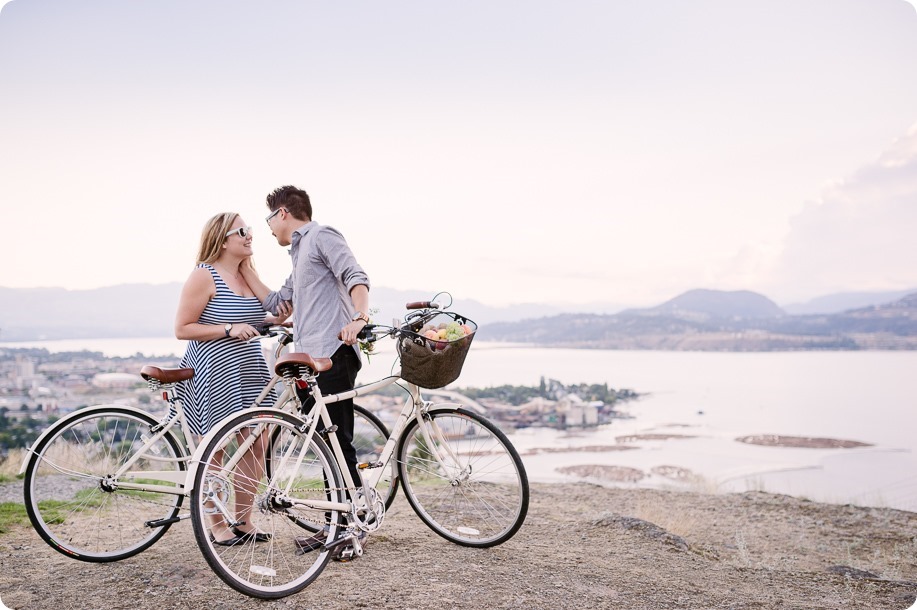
<point x="680" y="523"/>
<point x="9" y="466"/>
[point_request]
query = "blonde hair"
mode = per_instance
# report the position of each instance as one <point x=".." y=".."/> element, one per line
<point x="213" y="236"/>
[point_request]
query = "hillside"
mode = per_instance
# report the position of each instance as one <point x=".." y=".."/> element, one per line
<point x="127" y="310"/>
<point x="844" y="301"/>
<point x="695" y="320"/>
<point x="724" y="322"/>
<point x="146" y="310"/>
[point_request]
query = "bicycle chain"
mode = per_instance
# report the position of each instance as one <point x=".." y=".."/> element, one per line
<point x="311" y="490"/>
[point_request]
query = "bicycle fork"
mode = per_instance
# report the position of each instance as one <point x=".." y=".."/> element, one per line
<point x="438" y="445"/>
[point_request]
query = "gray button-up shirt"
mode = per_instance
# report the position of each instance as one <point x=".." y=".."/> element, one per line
<point x="324" y="272"/>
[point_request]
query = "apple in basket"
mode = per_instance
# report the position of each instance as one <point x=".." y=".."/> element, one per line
<point x="440" y="336"/>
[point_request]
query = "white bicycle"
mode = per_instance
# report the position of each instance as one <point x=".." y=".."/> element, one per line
<point x="458" y="471"/>
<point x="105" y="482"/>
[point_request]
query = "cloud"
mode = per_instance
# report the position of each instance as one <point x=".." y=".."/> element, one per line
<point x="861" y="234"/>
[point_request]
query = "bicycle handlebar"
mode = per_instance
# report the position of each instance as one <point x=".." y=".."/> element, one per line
<point x="366" y="333"/>
<point x="421" y="313"/>
<point x="282" y="331"/>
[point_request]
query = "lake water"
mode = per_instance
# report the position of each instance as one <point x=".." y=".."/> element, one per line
<point x="709" y="399"/>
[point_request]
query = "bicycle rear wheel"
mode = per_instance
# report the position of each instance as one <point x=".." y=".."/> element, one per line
<point x="76" y="505"/>
<point x="278" y="565"/>
<point x="462" y="477"/>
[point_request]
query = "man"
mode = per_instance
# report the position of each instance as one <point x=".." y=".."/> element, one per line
<point x="330" y="295"/>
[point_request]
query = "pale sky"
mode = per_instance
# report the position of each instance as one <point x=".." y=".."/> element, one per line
<point x="529" y="151"/>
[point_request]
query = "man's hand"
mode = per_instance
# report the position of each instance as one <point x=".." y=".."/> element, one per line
<point x="283" y="311"/>
<point x="349" y="333"/>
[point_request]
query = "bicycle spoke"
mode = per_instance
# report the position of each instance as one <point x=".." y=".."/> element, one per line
<point x="463" y="478"/>
<point x="282" y="469"/>
<point x="69" y="499"/>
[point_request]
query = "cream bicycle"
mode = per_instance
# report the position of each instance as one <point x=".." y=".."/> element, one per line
<point x="458" y="471"/>
<point x="106" y="482"/>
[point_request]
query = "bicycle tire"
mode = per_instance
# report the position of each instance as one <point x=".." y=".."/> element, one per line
<point x="71" y="504"/>
<point x="272" y="568"/>
<point x="479" y="497"/>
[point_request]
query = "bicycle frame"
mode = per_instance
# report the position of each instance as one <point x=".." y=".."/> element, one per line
<point x="124" y="475"/>
<point x="182" y="481"/>
<point x="319" y="413"/>
<point x="284" y="492"/>
<point x="414" y="406"/>
<point x="124" y="472"/>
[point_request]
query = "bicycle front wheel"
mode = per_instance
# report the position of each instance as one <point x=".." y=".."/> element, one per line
<point x="232" y="488"/>
<point x="462" y="477"/>
<point x="77" y="504"/>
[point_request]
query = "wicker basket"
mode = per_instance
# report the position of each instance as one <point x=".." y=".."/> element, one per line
<point x="432" y="363"/>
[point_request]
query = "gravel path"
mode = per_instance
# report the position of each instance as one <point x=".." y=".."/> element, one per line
<point x="581" y="547"/>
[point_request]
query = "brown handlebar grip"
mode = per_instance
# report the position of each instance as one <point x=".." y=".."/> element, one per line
<point x="420" y="305"/>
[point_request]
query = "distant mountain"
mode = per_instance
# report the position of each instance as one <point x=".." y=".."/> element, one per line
<point x="127" y="310"/>
<point x="844" y="301"/>
<point x="708" y="304"/>
<point x="723" y="321"/>
<point x="697" y="319"/>
<point x="390" y="304"/>
<point x="146" y="310"/>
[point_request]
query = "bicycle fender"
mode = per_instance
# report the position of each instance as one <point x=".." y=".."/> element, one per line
<point x="456" y="407"/>
<point x="78" y="413"/>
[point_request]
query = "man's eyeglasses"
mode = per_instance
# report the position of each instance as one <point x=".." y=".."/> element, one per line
<point x="271" y="215"/>
<point x="242" y="231"/>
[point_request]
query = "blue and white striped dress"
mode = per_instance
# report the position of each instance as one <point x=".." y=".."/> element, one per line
<point x="229" y="374"/>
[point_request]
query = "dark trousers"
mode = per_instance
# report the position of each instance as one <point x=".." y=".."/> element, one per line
<point x="341" y="377"/>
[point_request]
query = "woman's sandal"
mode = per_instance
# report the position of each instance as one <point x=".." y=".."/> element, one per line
<point x="256" y="536"/>
<point x="231" y="542"/>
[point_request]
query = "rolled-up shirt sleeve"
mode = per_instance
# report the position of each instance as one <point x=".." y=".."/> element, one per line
<point x="274" y="298"/>
<point x="340" y="259"/>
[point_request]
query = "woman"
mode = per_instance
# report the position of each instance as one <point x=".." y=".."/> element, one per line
<point x="218" y="313"/>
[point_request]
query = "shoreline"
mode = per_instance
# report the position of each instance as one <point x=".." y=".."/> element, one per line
<point x="824" y="469"/>
<point x="696" y="406"/>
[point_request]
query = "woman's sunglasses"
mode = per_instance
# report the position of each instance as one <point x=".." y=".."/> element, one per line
<point x="242" y="231"/>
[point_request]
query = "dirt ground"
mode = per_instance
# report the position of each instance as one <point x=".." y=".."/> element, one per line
<point x="582" y="547"/>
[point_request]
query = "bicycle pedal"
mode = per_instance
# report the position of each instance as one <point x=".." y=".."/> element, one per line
<point x="349" y="553"/>
<point x="160" y="522"/>
<point x="347" y="548"/>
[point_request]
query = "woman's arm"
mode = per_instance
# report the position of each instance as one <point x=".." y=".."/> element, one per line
<point x="195" y="294"/>
<point x="270" y="300"/>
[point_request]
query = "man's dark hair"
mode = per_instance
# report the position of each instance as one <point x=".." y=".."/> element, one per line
<point x="294" y="200"/>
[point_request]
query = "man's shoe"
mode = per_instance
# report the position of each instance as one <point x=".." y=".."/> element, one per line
<point x="305" y="544"/>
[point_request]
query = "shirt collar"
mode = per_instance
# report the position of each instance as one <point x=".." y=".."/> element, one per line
<point x="299" y="233"/>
